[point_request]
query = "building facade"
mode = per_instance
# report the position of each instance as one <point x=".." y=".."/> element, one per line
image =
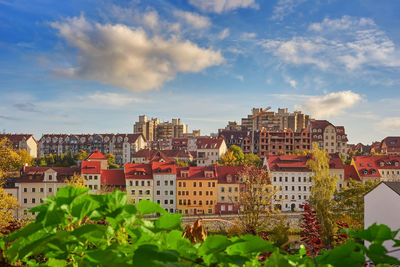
<point x="377" y="167"/>
<point x="210" y="150"/>
<point x="330" y="138"/>
<point x="164" y="189"/>
<point x="122" y="146"/>
<point x="24" y="142"/>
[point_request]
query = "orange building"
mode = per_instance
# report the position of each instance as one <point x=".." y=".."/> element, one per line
<point x="196" y="190"/>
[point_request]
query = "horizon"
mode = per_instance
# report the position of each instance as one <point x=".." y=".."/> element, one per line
<point x="94" y="67"/>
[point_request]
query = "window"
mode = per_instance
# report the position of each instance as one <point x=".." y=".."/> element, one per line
<point x="200" y="184"/>
<point x="286" y="179"/>
<point x="293" y="179"/>
<point x="166" y="201"/>
<point x="171" y="182"/>
<point x="140" y="192"/>
<point x="222" y="189"/>
<point x="33" y="200"/>
<point x="280" y="179"/>
<point x="95" y="186"/>
<point x="25" y="200"/>
<point x="158" y="201"/>
<point x="229" y="189"/>
<point x="130" y="183"/>
<point x="50" y="177"/>
<point x="194" y="193"/>
<point x="158" y="192"/>
<point x="292" y="188"/>
<point x="200" y="192"/>
<point x="90" y="177"/>
<point x="147" y="192"/>
<point x="299" y="188"/>
<point x="50" y="190"/>
<point x="286" y="187"/>
<point x="213" y="184"/>
<point x="171" y="192"/>
<point x="200" y="202"/>
<point x="274" y="179"/>
<point x="142" y="183"/>
<point x="133" y="191"/>
<point x="180" y="184"/>
<point x="166" y="192"/>
<point x="33" y="190"/>
<point x="222" y="207"/>
<point x="25" y="190"/>
<point x="95" y="177"/>
<point x="41" y="190"/>
<point x="166" y="183"/>
<point x="137" y="183"/>
<point x="171" y="201"/>
<point x="180" y="201"/>
<point x="305" y="188"/>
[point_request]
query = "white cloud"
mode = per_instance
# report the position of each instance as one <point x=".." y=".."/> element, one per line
<point x="224" y="33"/>
<point x="112" y="99"/>
<point x="284" y="8"/>
<point x="332" y="104"/>
<point x="151" y="19"/>
<point x="129" y="58"/>
<point x="334" y="43"/>
<point x="220" y="6"/>
<point x="389" y="125"/>
<point x="248" y="35"/>
<point x="194" y="20"/>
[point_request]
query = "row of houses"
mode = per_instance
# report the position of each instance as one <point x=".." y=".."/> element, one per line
<point x="198" y="190"/>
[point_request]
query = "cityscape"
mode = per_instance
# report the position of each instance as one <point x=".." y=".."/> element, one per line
<point x="199" y="133"/>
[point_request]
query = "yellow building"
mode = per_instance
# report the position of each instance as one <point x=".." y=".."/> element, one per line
<point x="196" y="190"/>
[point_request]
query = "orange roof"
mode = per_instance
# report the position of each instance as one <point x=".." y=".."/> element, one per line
<point x="97" y="155"/>
<point x="91" y="167"/>
<point x="350" y="173"/>
<point x="195" y="173"/>
<point x="335" y="162"/>
<point x="163" y="167"/>
<point x="209" y="143"/>
<point x="113" y="177"/>
<point x="223" y="172"/>
<point x="288" y="163"/>
<point x="138" y="171"/>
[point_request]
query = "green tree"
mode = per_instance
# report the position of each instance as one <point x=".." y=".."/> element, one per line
<point x="238" y="154"/>
<point x="322" y="191"/>
<point x="348" y="203"/>
<point x="111" y="161"/>
<point x="227" y="159"/>
<point x="252" y="160"/>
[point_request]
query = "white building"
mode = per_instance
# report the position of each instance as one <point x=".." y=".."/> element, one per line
<point x="382" y="206"/>
<point x="164" y="181"/>
<point x="210" y="150"/>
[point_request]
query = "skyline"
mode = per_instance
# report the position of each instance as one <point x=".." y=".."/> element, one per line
<point x="73" y="68"/>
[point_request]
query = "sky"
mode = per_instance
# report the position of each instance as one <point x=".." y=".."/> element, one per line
<point x="95" y="66"/>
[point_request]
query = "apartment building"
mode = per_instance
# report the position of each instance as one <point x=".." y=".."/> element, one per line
<point x="196" y="190"/>
<point x="122" y="146"/>
<point x="283" y="142"/>
<point x="233" y="137"/>
<point x="147" y="155"/>
<point x="146" y="127"/>
<point x="230" y="186"/>
<point x="331" y="138"/>
<point x="24" y="142"/>
<point x="275" y="121"/>
<point x="390" y="145"/>
<point x="210" y="150"/>
<point x="377" y="167"/>
<point x="37" y="183"/>
<point x="139" y="181"/>
<point x="164" y="181"/>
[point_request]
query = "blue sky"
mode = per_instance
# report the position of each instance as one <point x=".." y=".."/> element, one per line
<point x="94" y="66"/>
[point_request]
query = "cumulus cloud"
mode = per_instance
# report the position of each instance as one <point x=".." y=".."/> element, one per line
<point x="194" y="20"/>
<point x="220" y="6"/>
<point x="330" y="104"/>
<point x="112" y="99"/>
<point x="128" y="57"/>
<point x="350" y="42"/>
<point x="284" y="8"/>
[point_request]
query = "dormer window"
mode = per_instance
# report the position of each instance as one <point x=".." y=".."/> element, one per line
<point x="362" y="164"/>
<point x="388" y="163"/>
<point x="365" y="172"/>
<point x="369" y="165"/>
<point x="229" y="179"/>
<point x="373" y="171"/>
<point x="382" y="164"/>
<point x="50" y="177"/>
<point x="396" y="163"/>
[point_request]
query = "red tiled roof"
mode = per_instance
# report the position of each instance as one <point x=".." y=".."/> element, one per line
<point x="392" y="141"/>
<point x="138" y="171"/>
<point x="160" y="156"/>
<point x="288" y="162"/>
<point x="335" y="162"/>
<point x="183" y="142"/>
<point x="320" y="124"/>
<point x="113" y="177"/>
<point x="37" y="173"/>
<point x="97" y="155"/>
<point x="163" y="167"/>
<point x="92" y="167"/>
<point x="195" y="173"/>
<point x="148" y="154"/>
<point x="223" y="172"/>
<point x="209" y="143"/>
<point x="350" y="173"/>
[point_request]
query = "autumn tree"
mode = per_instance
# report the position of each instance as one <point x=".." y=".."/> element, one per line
<point x="77" y="181"/>
<point x="111" y="161"/>
<point x="256" y="200"/>
<point x="181" y="163"/>
<point x="322" y="191"/>
<point x="348" y="203"/>
<point x="233" y="157"/>
<point x="82" y="155"/>
<point x="311" y="231"/>
<point x="227" y="159"/>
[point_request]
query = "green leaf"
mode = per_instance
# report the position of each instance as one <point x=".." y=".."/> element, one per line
<point x="150" y="255"/>
<point x="249" y="244"/>
<point x="277" y="260"/>
<point x="168" y="222"/>
<point x="146" y="207"/>
<point x="376" y="233"/>
<point x="377" y="254"/>
<point x="347" y="254"/>
<point x="55" y="262"/>
<point x="214" y="243"/>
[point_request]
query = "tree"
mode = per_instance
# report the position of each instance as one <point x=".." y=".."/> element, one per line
<point x="322" y="191"/>
<point x="8" y="206"/>
<point x="252" y="160"/>
<point x="227" y="159"/>
<point x="25" y="158"/>
<point x="10" y="160"/>
<point x="77" y="181"/>
<point x="256" y="200"/>
<point x="111" y="161"/>
<point x="82" y="155"/>
<point x="238" y="154"/>
<point x="181" y="163"/>
<point x="311" y="231"/>
<point x="348" y="203"/>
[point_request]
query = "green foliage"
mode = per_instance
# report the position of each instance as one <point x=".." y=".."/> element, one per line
<point x="252" y="160"/>
<point x="349" y="203"/>
<point x="280" y="232"/>
<point x="75" y="228"/>
<point x="111" y="161"/>
<point x="233" y="157"/>
<point x="181" y="163"/>
<point x="237" y="153"/>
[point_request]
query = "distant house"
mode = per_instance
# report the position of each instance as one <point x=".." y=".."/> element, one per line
<point x="376" y="208"/>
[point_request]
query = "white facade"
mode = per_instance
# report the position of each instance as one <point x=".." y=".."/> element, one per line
<point x="209" y="156"/>
<point x="293" y="189"/>
<point x="164" y="192"/>
<point x="382" y="206"/>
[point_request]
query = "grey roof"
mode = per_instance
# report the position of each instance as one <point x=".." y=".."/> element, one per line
<point x="395" y="186"/>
